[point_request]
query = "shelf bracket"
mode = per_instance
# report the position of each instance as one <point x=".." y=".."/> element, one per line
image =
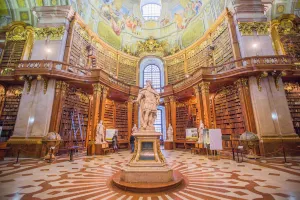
<point x="276" y="77"/>
<point x="28" y="80"/>
<point x="259" y="77"/>
<point x="45" y="79"/>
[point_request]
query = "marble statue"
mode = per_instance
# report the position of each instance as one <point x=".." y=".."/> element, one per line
<point x="200" y="132"/>
<point x="170" y="133"/>
<point x="148" y="100"/>
<point x="100" y="133"/>
<point x="134" y="129"/>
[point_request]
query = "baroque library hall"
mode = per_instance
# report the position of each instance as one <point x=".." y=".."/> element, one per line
<point x="150" y="99"/>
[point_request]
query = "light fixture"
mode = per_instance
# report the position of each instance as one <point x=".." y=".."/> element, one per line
<point x="48" y="50"/>
<point x="254" y="45"/>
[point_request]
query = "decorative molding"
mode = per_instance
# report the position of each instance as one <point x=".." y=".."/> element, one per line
<point x="53" y="33"/>
<point x="204" y="86"/>
<point x="277" y="77"/>
<point x="45" y="80"/>
<point x="97" y="87"/>
<point x="28" y="79"/>
<point x="289" y="86"/>
<point x="258" y="79"/>
<point x="241" y="82"/>
<point x="18" y="31"/>
<point x="172" y="98"/>
<point x="151" y="47"/>
<point x="248" y="28"/>
<point x="14" y="90"/>
<point x="7" y="71"/>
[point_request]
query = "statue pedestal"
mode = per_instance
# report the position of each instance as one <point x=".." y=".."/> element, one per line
<point x="147" y="166"/>
<point x="99" y="148"/>
<point x="168" y="145"/>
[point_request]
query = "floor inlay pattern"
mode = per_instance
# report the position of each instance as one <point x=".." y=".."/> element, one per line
<point x="87" y="177"/>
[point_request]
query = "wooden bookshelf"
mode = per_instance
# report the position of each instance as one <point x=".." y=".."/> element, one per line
<point x="181" y="120"/>
<point x="10" y="110"/>
<point x="12" y="53"/>
<point x="122" y="120"/>
<point x="228" y="111"/>
<point x="292" y="91"/>
<point x="109" y="114"/>
<point x="76" y="112"/>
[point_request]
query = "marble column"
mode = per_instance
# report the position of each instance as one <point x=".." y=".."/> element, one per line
<point x="245" y="99"/>
<point x="204" y="87"/>
<point x="173" y="115"/>
<point x="97" y="93"/>
<point x="59" y="99"/>
<point x="129" y="115"/>
<point x="272" y="117"/>
<point x="254" y="39"/>
<point x="52" y="16"/>
<point x="34" y="115"/>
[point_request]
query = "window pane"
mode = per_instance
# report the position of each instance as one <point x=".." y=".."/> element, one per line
<point x="151" y="11"/>
<point x="152" y="73"/>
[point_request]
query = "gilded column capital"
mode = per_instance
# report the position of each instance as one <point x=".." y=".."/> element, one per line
<point x="97" y="87"/>
<point x="204" y="87"/>
<point x="248" y="28"/>
<point x="172" y="99"/>
<point x="166" y="100"/>
<point x="61" y="85"/>
<point x="196" y="89"/>
<point x="104" y="91"/>
<point x="241" y="82"/>
<point x="130" y="99"/>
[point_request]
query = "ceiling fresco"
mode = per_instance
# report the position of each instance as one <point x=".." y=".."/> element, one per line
<point x="121" y="24"/>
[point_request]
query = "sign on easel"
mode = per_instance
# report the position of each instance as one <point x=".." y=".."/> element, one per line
<point x="215" y="139"/>
<point x="110" y="133"/>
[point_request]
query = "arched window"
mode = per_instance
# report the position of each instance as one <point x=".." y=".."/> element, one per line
<point x="151" y="11"/>
<point x="152" y="73"/>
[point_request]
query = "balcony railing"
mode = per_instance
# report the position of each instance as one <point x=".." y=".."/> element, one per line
<point x="257" y="62"/>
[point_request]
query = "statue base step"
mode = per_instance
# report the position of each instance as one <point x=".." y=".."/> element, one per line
<point x="99" y="148"/>
<point x="148" y="187"/>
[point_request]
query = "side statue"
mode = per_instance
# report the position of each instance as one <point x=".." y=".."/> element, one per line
<point x="200" y="132"/>
<point x="134" y="129"/>
<point x="100" y="135"/>
<point x="148" y="99"/>
<point x="170" y="133"/>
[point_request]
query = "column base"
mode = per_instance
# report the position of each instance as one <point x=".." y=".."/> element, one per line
<point x="29" y="147"/>
<point x="272" y="146"/>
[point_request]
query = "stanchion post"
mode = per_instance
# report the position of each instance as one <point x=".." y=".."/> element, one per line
<point x="71" y="154"/>
<point x="283" y="150"/>
<point x="19" y="150"/>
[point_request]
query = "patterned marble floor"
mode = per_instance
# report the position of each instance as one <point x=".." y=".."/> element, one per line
<point x="88" y="178"/>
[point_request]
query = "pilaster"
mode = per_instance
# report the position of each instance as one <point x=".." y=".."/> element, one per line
<point x="103" y="101"/>
<point x="173" y="115"/>
<point x="199" y="104"/>
<point x="129" y="115"/>
<point x="204" y="87"/>
<point x="59" y="99"/>
<point x="246" y="104"/>
<point x="167" y="111"/>
<point x="97" y="93"/>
